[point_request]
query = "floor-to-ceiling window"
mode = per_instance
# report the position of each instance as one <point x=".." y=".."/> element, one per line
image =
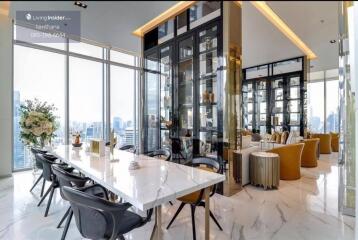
<point x="122" y="87"/>
<point x="74" y="76"/>
<point x="37" y="74"/>
<point x="332" y="106"/>
<point x="323" y="101"/>
<point x="86" y="98"/>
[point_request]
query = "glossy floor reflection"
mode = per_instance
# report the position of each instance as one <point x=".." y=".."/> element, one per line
<point x="302" y="209"/>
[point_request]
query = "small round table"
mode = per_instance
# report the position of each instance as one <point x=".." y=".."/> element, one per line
<point x="265" y="169"/>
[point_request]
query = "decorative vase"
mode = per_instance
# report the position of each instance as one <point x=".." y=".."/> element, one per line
<point x="211" y="97"/>
<point x="205" y="96"/>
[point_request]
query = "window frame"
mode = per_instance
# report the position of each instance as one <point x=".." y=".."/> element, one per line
<point x="106" y="79"/>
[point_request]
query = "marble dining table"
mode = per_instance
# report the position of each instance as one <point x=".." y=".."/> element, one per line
<point x="153" y="184"/>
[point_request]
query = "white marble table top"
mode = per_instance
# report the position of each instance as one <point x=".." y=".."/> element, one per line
<point x="154" y="183"/>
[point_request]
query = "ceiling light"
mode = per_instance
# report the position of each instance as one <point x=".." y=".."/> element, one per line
<point x="332" y="41"/>
<point x="164" y="16"/>
<point x="80" y="4"/>
<point x="283" y="27"/>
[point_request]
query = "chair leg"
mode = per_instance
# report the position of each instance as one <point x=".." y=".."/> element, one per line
<point x="49" y="201"/>
<point x="64" y="217"/>
<point x="176" y="214"/>
<point x="37" y="181"/>
<point x="170" y="202"/>
<point x="43" y="187"/>
<point x="202" y="204"/>
<point x="216" y="221"/>
<point x="69" y="218"/>
<point x="44" y="196"/>
<point x="192" y="208"/>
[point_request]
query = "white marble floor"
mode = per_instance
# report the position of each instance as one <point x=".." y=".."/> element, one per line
<point x="302" y="209"/>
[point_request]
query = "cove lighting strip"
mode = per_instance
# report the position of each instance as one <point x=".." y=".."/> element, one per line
<point x="4" y="8"/>
<point x="283" y="27"/>
<point x="164" y="16"/>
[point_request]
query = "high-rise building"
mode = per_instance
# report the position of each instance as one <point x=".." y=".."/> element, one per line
<point x="20" y="160"/>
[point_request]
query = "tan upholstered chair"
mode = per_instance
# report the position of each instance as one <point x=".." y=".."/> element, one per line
<point x="309" y="153"/>
<point x="290" y="160"/>
<point x="335" y="142"/>
<point x="324" y="142"/>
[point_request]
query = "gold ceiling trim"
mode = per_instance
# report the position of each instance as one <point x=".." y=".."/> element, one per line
<point x="164" y="16"/>
<point x="4" y="8"/>
<point x="283" y="27"/>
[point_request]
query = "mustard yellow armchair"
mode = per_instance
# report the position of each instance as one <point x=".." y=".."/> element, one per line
<point x="324" y="142"/>
<point x="335" y="142"/>
<point x="290" y="160"/>
<point x="309" y="153"/>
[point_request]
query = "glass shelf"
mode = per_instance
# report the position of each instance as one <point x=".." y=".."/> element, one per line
<point x="186" y="90"/>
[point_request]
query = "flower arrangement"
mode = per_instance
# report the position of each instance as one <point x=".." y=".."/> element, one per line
<point x="37" y="122"/>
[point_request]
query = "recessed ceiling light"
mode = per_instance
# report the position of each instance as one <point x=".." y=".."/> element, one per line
<point x="332" y="41"/>
<point x="80" y="4"/>
<point x="311" y="66"/>
<point x="322" y="21"/>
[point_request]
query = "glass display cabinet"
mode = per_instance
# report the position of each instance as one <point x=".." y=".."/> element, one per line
<point x="208" y="67"/>
<point x="186" y="93"/>
<point x="276" y="94"/>
<point x="166" y="85"/>
<point x="276" y="103"/>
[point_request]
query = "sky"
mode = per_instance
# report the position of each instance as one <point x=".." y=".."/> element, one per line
<point x="41" y="74"/>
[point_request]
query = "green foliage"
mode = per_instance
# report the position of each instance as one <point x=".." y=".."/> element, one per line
<point x="37" y="122"/>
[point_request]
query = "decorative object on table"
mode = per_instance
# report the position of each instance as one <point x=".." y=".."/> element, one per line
<point x="37" y="122"/>
<point x="265" y="169"/>
<point x="76" y="140"/>
<point x="38" y="125"/>
<point x="97" y="146"/>
<point x="133" y="165"/>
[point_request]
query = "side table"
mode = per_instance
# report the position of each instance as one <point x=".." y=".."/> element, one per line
<point x="265" y="169"/>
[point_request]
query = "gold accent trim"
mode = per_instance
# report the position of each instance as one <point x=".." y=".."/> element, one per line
<point x="4" y="8"/>
<point x="164" y="16"/>
<point x="283" y="27"/>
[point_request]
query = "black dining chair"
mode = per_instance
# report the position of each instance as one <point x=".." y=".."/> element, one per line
<point x="39" y="166"/>
<point x="78" y="181"/>
<point x="97" y="218"/>
<point x="128" y="147"/>
<point x="177" y="150"/>
<point x="161" y="153"/>
<point x="49" y="176"/>
<point x="195" y="199"/>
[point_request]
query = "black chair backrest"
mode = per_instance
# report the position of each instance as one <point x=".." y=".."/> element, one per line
<point x="210" y="163"/>
<point x="68" y="179"/>
<point x="128" y="147"/>
<point x="95" y="217"/>
<point x="176" y="145"/>
<point x="36" y="151"/>
<point x="161" y="152"/>
<point x="46" y="165"/>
